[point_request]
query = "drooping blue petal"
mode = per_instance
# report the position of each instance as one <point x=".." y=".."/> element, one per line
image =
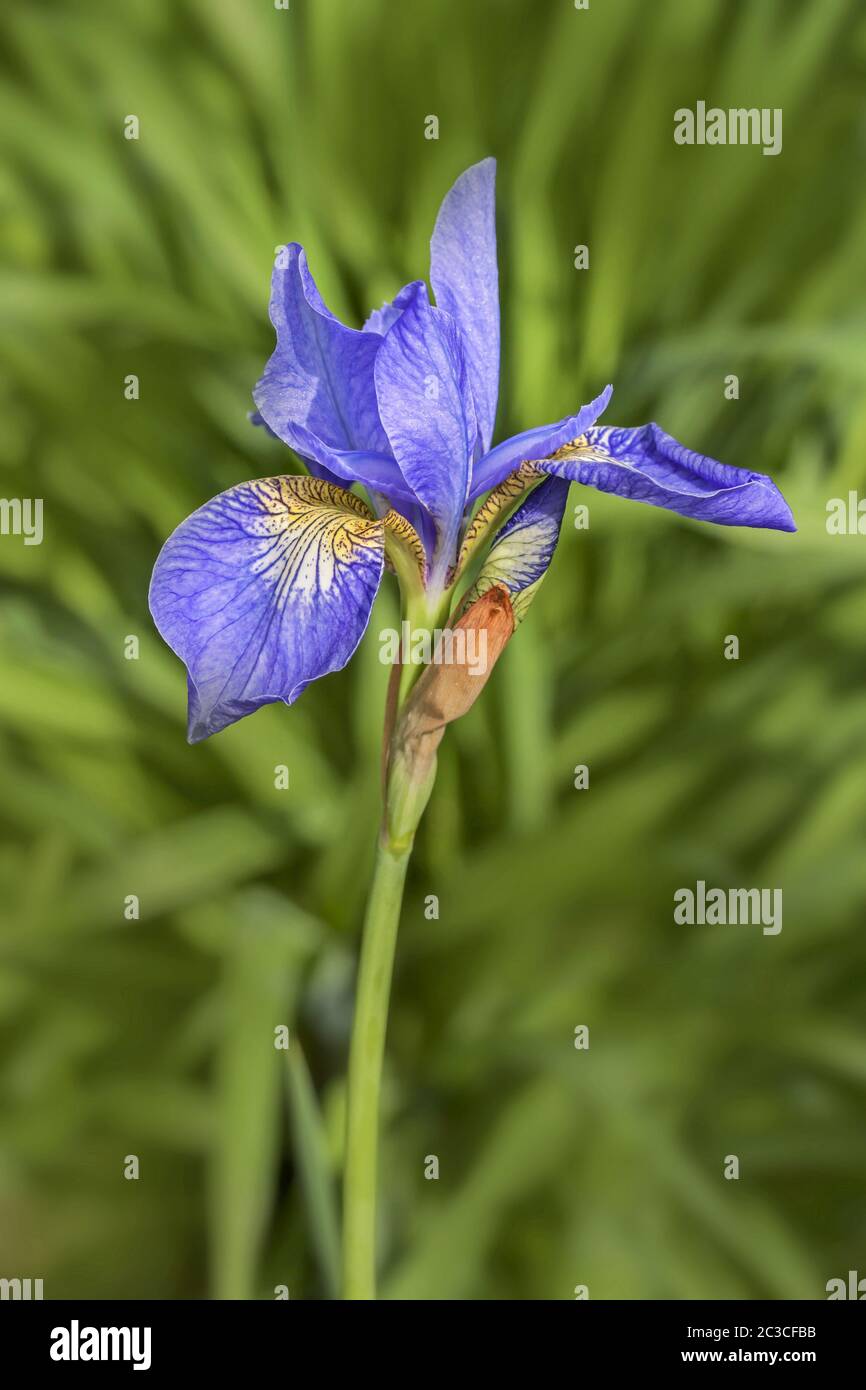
<point x="262" y="590"/>
<point x="317" y="392"/>
<point x="522" y="550"/>
<point x="538" y="443"/>
<point x="648" y="465"/>
<point x="465" y="280"/>
<point x="380" y="320"/>
<point x="426" y="407"/>
<point x="524" y="547"/>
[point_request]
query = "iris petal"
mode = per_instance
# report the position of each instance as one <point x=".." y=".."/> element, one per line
<point x="648" y="465"/>
<point x="378" y="472"/>
<point x="521" y="553"/>
<point x="262" y="590"/>
<point x="465" y="280"/>
<point x="426" y="407"/>
<point x="318" y="470"/>
<point x="380" y="320"/>
<point x="538" y="443"/>
<point x="317" y="391"/>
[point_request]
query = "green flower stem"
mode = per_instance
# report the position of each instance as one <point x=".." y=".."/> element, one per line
<point x="428" y="611"/>
<point x="408" y="790"/>
<point x="365" y="1069"/>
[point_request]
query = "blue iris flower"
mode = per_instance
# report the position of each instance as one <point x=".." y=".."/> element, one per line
<point x="270" y="585"/>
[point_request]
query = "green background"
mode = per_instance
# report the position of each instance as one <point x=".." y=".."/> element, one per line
<point x="155" y="1037"/>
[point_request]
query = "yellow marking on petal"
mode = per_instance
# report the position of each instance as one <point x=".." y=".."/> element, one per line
<point x="522" y="550"/>
<point x="520" y="602"/>
<point x="525" y="476"/>
<point x="404" y="547"/>
<point x="581" y="448"/>
<point x="314" y="527"/>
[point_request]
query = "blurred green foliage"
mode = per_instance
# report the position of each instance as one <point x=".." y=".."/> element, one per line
<point x="154" y="1037"/>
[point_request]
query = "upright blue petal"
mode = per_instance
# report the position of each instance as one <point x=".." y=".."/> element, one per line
<point x="380" y="320"/>
<point x="519" y="556"/>
<point x="317" y="392"/>
<point x="426" y="407"/>
<point x="537" y="443"/>
<point x="262" y="590"/>
<point x="650" y="466"/>
<point x="465" y="280"/>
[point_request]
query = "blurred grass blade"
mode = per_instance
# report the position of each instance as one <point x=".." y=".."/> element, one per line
<point x="317" y="1180"/>
<point x="249" y="1095"/>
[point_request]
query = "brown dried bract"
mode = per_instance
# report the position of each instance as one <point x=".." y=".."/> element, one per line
<point x="444" y="693"/>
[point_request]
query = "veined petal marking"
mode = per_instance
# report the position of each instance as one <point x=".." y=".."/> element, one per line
<point x="581" y="448"/>
<point x="314" y="524"/>
<point x="404" y="548"/>
<point x="526" y="475"/>
<point x="649" y="465"/>
<point x="262" y="590"/>
<point x="521" y="552"/>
